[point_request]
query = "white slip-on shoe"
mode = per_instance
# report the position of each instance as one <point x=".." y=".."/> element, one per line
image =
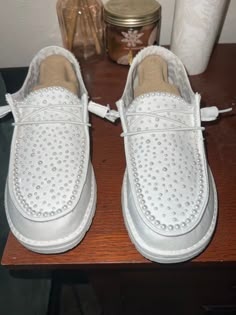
<point x="169" y="197"/>
<point x="50" y="194"/>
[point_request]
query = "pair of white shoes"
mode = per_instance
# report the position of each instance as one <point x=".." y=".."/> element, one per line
<point x="169" y="197"/>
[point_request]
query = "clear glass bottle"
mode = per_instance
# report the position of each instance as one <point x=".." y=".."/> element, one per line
<point x="130" y="26"/>
<point x="81" y="25"/>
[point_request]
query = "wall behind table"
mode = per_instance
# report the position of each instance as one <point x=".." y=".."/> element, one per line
<point x="27" y="26"/>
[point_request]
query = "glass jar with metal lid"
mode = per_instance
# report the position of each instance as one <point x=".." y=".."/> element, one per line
<point x="130" y="26"/>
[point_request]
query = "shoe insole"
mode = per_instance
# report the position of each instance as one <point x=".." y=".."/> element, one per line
<point x="153" y="77"/>
<point x="56" y="70"/>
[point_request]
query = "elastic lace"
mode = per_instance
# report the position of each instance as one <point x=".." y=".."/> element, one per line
<point x="154" y="114"/>
<point x="207" y="114"/>
<point x="42" y="108"/>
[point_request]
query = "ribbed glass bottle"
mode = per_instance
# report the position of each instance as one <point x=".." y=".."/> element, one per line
<point x="81" y="25"/>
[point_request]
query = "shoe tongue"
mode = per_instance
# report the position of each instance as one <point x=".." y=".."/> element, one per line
<point x="50" y="96"/>
<point x="158" y="101"/>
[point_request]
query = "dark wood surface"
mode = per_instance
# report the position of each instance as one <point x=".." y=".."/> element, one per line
<point x="107" y="242"/>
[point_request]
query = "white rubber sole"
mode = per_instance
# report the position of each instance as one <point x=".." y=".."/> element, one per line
<point x="167" y="257"/>
<point x="63" y="244"/>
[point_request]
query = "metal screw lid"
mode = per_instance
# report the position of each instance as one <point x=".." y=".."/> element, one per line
<point x="132" y="13"/>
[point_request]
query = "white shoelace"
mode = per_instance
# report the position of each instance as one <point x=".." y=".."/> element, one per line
<point x="207" y="113"/>
<point x="95" y="108"/>
<point x="133" y="133"/>
<point x="4" y="110"/>
<point x="211" y="113"/>
<point x="49" y="122"/>
<point x="103" y="111"/>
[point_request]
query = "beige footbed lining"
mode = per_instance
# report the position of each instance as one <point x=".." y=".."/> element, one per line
<point x="153" y="77"/>
<point x="56" y="70"/>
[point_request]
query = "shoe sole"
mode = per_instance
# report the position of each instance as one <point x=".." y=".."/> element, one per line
<point x="179" y="255"/>
<point x="63" y="244"/>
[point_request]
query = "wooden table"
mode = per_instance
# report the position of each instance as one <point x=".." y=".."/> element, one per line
<point x="107" y="244"/>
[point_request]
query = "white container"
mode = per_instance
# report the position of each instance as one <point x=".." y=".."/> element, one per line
<point x="195" y="28"/>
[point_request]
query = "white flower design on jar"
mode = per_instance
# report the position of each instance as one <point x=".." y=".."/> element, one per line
<point x="132" y="38"/>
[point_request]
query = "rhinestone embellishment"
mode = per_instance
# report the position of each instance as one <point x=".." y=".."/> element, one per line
<point x="167" y="167"/>
<point x="47" y="178"/>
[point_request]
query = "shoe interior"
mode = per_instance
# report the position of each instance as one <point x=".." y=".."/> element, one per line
<point x="153" y="77"/>
<point x="52" y="66"/>
<point x="170" y="77"/>
<point x="56" y="70"/>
